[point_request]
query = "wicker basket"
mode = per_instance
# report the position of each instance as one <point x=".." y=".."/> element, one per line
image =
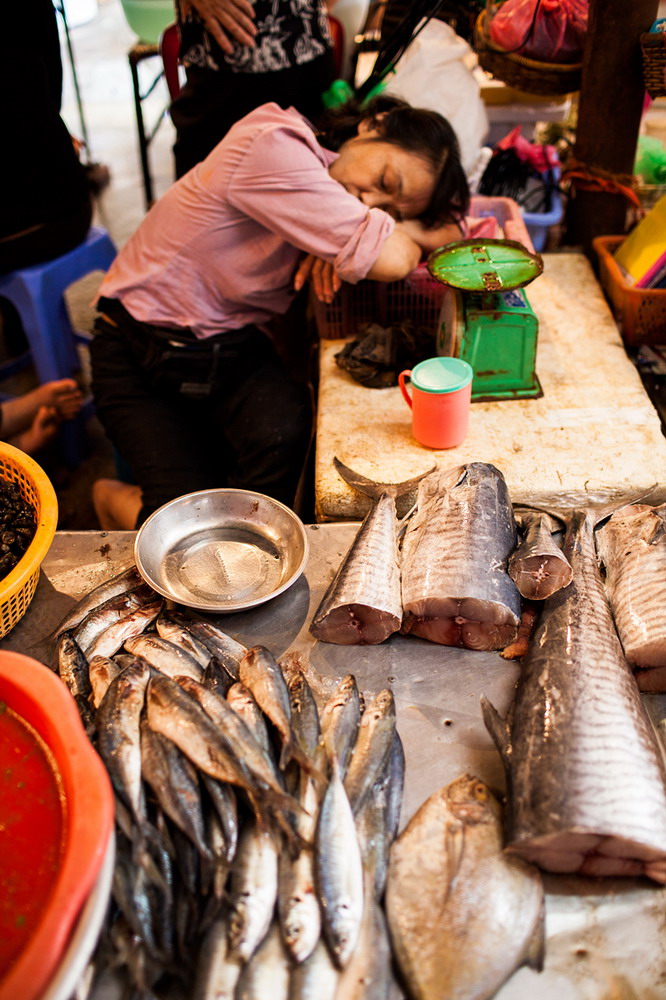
<point x="528" y="75"/>
<point x="18" y="587"/>
<point x="653" y="46"/>
<point x="639" y="312"/>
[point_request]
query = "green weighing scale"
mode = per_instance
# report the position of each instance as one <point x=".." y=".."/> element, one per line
<point x="486" y="319"/>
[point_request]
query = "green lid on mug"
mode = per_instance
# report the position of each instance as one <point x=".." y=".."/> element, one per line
<point x="441" y="374"/>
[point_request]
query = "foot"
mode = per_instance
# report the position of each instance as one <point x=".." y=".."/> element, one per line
<point x="63" y="396"/>
<point x="43" y="429"/>
<point x="116" y="504"/>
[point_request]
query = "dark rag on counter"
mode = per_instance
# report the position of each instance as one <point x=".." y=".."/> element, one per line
<point x="377" y="358"/>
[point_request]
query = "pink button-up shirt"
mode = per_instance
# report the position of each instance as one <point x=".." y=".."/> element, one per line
<point x="220" y="249"/>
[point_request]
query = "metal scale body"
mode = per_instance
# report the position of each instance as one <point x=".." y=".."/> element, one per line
<point x="486" y="318"/>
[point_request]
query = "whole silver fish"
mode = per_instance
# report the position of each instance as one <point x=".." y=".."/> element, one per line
<point x="455" y="588"/>
<point x="339" y="871"/>
<point x="216" y="972"/>
<point x="462" y="914"/>
<point x="260" y="672"/>
<point x="175" y="714"/>
<point x="584" y="766"/>
<point x="632" y="547"/>
<point x="101" y="671"/>
<point x="362" y="605"/>
<point x="316" y="978"/>
<point x="126" y="579"/>
<point x="267" y="973"/>
<point x="112" y="611"/>
<point x="74" y="671"/>
<point x="298" y="903"/>
<point x="305" y="717"/>
<point x="254" y="886"/>
<point x="372" y="748"/>
<point x="242" y="701"/>
<point x="367" y="975"/>
<point x="538" y="566"/>
<point x="119" y="734"/>
<point x="179" y="635"/>
<point x="225" y="805"/>
<point x="112" y="638"/>
<point x="227" y="650"/>
<point x="340" y="719"/>
<point x="174" y="782"/>
<point x="165" y="655"/>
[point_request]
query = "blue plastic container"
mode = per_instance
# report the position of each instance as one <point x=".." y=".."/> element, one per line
<point x="538" y="223"/>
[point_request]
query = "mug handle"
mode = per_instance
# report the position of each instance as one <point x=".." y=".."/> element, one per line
<point x="403" y="388"/>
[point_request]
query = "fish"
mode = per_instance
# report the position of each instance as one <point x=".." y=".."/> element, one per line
<point x="119" y="735"/>
<point x="305" y="716"/>
<point x="372" y="748"/>
<point x="253" y="893"/>
<point x="107" y="614"/>
<point x="228" y="651"/>
<point x="101" y="671"/>
<point x="165" y="655"/>
<point x="225" y="805"/>
<point x="584" y="767"/>
<point x="267" y="973"/>
<point x="339" y="871"/>
<point x="367" y="975"/>
<point x="632" y="548"/>
<point x="112" y="638"/>
<point x="216" y="972"/>
<point x="455" y="588"/>
<point x="175" y="784"/>
<point x="74" y="672"/>
<point x="462" y="914"/>
<point x="316" y="978"/>
<point x="362" y="604"/>
<point x="537" y="565"/>
<point x="260" y="672"/>
<point x="179" y="635"/>
<point x="242" y="701"/>
<point x="127" y="579"/>
<point x="340" y="719"/>
<point x="298" y="903"/>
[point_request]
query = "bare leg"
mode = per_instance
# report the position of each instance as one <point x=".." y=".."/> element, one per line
<point x="116" y="504"/>
<point x="43" y="429"/>
<point x="63" y="396"/>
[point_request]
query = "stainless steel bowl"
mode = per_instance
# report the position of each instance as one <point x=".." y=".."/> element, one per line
<point x="221" y="550"/>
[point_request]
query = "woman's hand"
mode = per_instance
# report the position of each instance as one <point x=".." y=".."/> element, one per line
<point x="323" y="278"/>
<point x="224" y="18"/>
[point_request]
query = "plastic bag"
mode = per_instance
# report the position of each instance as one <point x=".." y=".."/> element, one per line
<point x="547" y="30"/>
<point x="434" y="73"/>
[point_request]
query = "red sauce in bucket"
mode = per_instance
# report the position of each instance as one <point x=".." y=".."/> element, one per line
<point x="32" y="825"/>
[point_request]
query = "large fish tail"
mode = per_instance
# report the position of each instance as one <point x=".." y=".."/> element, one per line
<point x="373" y="489"/>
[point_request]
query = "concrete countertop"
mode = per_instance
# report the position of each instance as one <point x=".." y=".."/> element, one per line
<point x="594" y="434"/>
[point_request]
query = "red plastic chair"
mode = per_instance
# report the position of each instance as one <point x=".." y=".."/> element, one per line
<point x="169" y="46"/>
<point x="338" y="36"/>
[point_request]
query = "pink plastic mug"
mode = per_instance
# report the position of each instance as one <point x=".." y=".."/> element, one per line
<point x="441" y="394"/>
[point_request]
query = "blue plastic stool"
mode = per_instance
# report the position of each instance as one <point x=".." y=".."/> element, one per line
<point x="37" y="294"/>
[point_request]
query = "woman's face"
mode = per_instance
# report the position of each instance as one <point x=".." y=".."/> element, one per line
<point x="382" y="175"/>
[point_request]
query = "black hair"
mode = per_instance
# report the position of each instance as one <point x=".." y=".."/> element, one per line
<point x="418" y="130"/>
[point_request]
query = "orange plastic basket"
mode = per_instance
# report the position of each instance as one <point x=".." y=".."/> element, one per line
<point x="17" y="589"/>
<point x="639" y="312"/>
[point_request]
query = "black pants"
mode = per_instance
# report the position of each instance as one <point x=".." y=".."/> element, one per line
<point x="188" y="415"/>
<point x="211" y="102"/>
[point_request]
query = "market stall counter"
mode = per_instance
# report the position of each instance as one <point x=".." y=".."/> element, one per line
<point x="592" y="435"/>
<point x="604" y="936"/>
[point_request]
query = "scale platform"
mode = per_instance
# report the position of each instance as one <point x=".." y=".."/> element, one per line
<point x="486" y="318"/>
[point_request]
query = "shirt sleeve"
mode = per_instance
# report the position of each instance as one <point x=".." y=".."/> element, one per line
<point x="282" y="183"/>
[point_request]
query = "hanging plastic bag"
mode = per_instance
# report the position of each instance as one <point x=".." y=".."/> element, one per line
<point x="546" y="30"/>
<point x="435" y="73"/>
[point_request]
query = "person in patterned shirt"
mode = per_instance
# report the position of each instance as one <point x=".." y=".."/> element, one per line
<point x="237" y="56"/>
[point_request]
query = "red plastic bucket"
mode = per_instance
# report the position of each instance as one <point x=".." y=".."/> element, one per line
<point x="440" y="400"/>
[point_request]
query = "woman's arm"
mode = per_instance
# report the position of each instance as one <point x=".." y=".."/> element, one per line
<point x="430" y="239"/>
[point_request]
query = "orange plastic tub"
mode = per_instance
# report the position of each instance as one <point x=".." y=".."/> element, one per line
<point x="56" y="819"/>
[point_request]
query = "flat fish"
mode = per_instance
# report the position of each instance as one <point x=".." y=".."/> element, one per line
<point x="362" y="605"/>
<point x="538" y="566"/>
<point x="632" y="547"/>
<point x="585" y="769"/>
<point x="481" y="915"/>
<point x="455" y="588"/>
